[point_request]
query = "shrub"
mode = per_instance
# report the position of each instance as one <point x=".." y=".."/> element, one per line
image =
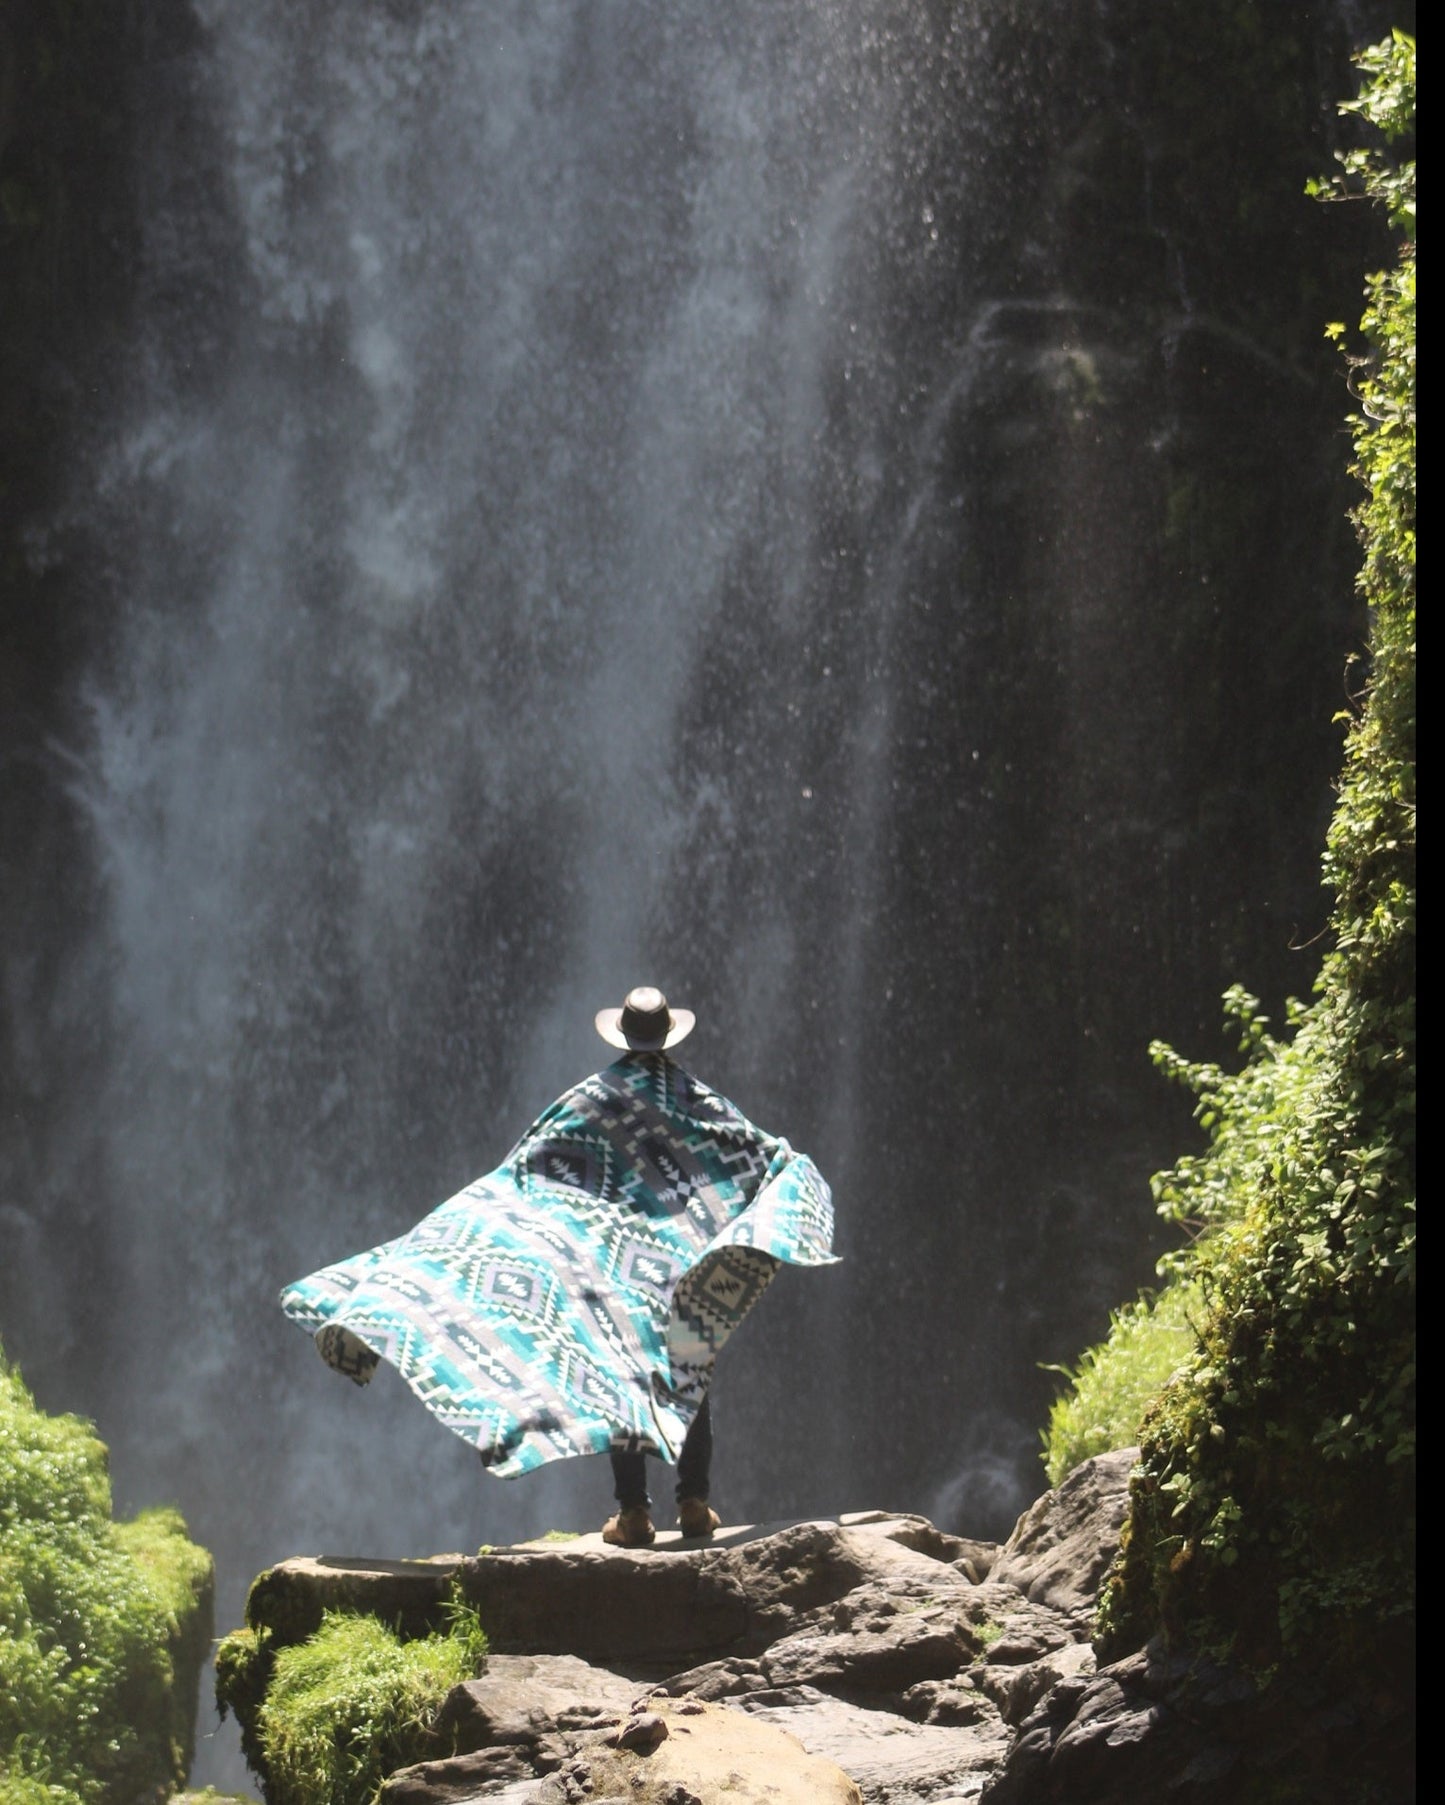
<point x="104" y="1627"/>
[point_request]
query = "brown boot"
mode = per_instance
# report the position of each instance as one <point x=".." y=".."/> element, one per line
<point x="630" y="1528"/>
<point x="696" y="1517"/>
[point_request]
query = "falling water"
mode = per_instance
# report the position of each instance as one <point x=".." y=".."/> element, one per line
<point x="728" y="497"/>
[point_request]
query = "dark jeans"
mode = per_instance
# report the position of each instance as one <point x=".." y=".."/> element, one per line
<point x="694" y="1464"/>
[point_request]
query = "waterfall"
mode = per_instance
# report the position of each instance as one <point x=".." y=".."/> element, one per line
<point x="784" y="503"/>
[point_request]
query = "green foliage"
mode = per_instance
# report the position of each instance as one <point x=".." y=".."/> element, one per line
<point x="1115" y="1382"/>
<point x="103" y="1626"/>
<point x="244" y="1660"/>
<point x="348" y="1706"/>
<point x="1273" y="1511"/>
<point x="1386" y="101"/>
<point x="23" y="1789"/>
<point x="330" y="1716"/>
<point x="464" y="1627"/>
<point x="1251" y="1116"/>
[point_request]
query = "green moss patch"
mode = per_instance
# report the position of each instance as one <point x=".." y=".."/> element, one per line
<point x="330" y="1717"/>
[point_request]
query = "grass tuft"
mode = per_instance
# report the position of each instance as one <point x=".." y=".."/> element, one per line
<point x="1114" y="1384"/>
<point x="351" y="1705"/>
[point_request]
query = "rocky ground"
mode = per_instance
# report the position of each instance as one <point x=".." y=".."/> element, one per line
<point x="864" y="1658"/>
<point x="871" y="1656"/>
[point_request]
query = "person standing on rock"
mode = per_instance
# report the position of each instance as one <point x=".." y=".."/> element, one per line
<point x="574" y="1299"/>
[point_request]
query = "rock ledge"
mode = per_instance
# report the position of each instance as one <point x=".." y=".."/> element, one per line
<point x="894" y="1658"/>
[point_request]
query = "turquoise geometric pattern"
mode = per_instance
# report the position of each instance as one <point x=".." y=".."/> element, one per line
<point x="575" y="1299"/>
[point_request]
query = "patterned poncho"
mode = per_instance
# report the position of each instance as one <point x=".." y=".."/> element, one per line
<point x="575" y="1299"/>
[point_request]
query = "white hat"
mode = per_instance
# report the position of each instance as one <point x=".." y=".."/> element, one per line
<point x="644" y="1023"/>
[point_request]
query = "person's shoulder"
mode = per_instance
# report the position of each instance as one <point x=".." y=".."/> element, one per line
<point x="702" y="1103"/>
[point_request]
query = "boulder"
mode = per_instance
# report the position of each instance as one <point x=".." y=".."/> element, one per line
<point x="695" y="1753"/>
<point x="1061" y="1547"/>
<point x="528" y="1701"/>
<point x="1162" y="1725"/>
<point x="289" y="1600"/>
<point x="656" y="1750"/>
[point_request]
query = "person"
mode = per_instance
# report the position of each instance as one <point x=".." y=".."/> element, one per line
<point x="645" y="1024"/>
<point x="574" y="1299"/>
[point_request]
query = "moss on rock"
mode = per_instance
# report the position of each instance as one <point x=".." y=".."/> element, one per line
<point x="330" y="1715"/>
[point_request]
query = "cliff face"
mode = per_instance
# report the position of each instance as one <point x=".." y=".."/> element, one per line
<point x="920" y="1666"/>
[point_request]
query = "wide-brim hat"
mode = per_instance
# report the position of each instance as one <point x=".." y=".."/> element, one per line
<point x="644" y="1023"/>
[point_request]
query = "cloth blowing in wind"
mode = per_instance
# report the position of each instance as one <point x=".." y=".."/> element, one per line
<point x="574" y="1300"/>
